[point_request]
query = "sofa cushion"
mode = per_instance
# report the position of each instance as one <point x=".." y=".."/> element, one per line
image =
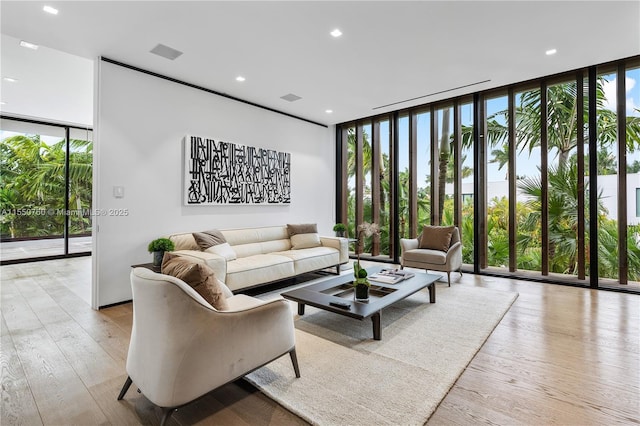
<point x="302" y="228"/>
<point x="258" y="269"/>
<point x="224" y="250"/>
<point x="303" y="241"/>
<point x="436" y="237"/>
<point x="209" y="238"/>
<point x="312" y="259"/>
<point x="436" y="257"/>
<point x="197" y="275"/>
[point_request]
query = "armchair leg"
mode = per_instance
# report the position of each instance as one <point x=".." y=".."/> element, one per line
<point x="460" y="271"/>
<point x="125" y="388"/>
<point x="449" y="278"/>
<point x="166" y="413"/>
<point x="294" y="361"/>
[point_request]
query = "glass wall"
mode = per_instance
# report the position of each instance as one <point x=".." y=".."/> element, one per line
<point x="384" y="188"/>
<point x="497" y="207"/>
<point x="528" y="182"/>
<point x="632" y="94"/>
<point x="445" y="164"/>
<point x="46" y="207"/>
<point x="423" y="168"/>
<point x="467" y="182"/>
<point x="403" y="176"/>
<point x="530" y="174"/>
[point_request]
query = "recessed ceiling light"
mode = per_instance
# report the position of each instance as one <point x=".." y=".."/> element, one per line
<point x="9" y="79"/>
<point x="551" y="52"/>
<point x="51" y="10"/>
<point x="328" y="111"/>
<point x="28" y="45"/>
<point x="240" y="78"/>
<point x="336" y="33"/>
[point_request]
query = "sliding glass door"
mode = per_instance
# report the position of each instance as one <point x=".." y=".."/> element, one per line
<point x="45" y="191"/>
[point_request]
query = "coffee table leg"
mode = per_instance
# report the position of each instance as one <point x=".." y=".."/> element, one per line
<point x="377" y="331"/>
<point x="300" y="308"/>
<point x="432" y="293"/>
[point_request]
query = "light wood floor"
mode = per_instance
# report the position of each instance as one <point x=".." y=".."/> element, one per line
<point x="560" y="356"/>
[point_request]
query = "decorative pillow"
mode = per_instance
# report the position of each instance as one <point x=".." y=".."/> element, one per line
<point x="197" y="275"/>
<point x="302" y="241"/>
<point x="302" y="228"/>
<point x="210" y="238"/>
<point x="436" y="237"/>
<point x="184" y="241"/>
<point x="225" y="250"/>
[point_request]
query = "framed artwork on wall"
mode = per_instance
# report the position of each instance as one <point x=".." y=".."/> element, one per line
<point x="218" y="172"/>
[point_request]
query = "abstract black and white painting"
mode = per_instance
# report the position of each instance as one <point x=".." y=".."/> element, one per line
<point x="219" y="172"/>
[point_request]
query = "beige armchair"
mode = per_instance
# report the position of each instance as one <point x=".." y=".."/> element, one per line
<point x="181" y="347"/>
<point x="431" y="258"/>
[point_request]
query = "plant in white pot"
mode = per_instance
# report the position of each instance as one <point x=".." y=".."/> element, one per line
<point x="158" y="247"/>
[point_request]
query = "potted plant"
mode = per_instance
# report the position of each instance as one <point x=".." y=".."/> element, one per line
<point x="340" y="229"/>
<point x="158" y="247"/>
<point x="361" y="283"/>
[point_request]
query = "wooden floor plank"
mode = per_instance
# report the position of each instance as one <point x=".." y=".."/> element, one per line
<point x="18" y="404"/>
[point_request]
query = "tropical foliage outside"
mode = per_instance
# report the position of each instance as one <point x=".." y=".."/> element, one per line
<point x="32" y="187"/>
<point x="562" y="175"/>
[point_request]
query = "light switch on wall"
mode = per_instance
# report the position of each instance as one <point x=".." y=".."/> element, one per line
<point x="118" y="191"/>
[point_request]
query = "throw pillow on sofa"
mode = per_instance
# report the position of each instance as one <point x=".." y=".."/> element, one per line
<point x="208" y="239"/>
<point x="214" y="242"/>
<point x="304" y="235"/>
<point x="225" y="250"/>
<point x="197" y="275"/>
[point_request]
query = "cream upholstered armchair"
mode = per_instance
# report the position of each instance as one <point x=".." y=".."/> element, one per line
<point x="438" y="248"/>
<point x="181" y="347"/>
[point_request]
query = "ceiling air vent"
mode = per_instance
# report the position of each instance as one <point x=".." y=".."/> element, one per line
<point x="290" y="97"/>
<point x="166" y="52"/>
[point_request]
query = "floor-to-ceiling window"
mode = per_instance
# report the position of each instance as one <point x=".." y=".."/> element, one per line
<point x="466" y="171"/>
<point x="512" y="169"/>
<point x="45" y="190"/>
<point x="632" y="113"/>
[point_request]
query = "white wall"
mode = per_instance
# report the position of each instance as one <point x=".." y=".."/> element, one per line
<point x="140" y="123"/>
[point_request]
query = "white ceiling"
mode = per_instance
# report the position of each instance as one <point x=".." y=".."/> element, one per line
<point x="390" y="51"/>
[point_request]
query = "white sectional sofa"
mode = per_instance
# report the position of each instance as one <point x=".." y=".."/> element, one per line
<point x="262" y="255"/>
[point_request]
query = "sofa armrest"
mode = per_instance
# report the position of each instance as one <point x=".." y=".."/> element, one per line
<point x="408" y="244"/>
<point x="338" y="243"/>
<point x="214" y="261"/>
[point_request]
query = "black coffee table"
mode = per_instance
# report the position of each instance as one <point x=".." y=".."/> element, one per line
<point x="340" y="290"/>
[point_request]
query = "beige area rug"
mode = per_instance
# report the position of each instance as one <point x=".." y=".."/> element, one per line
<point x="350" y="379"/>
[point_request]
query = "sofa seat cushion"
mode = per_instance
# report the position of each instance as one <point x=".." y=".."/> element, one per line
<point x="241" y="302"/>
<point x="312" y="259"/>
<point x="260" y="268"/>
<point x="436" y="257"/>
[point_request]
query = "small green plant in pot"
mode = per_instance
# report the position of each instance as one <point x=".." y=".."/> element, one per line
<point x="158" y="247"/>
<point x="361" y="283"/>
<point x="339" y="229"/>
